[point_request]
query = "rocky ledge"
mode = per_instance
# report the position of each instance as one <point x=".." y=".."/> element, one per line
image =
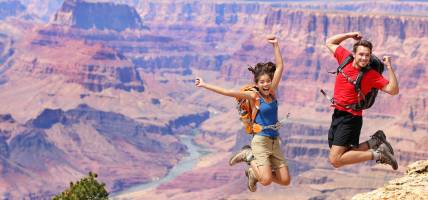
<point x="414" y="185"/>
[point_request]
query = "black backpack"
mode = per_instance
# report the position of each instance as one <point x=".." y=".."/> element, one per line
<point x="367" y="100"/>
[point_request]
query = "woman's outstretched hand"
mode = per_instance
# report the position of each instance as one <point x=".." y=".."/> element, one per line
<point x="272" y="39"/>
<point x="199" y="82"/>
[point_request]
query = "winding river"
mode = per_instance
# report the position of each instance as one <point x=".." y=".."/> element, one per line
<point x="186" y="164"/>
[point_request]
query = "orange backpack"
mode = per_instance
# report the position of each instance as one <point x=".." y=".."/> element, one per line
<point x="248" y="112"/>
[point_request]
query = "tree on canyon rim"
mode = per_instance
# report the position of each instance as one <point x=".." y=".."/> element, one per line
<point x="87" y="188"/>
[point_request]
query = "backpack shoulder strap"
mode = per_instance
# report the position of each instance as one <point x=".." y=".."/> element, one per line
<point x="357" y="85"/>
<point x="344" y="63"/>
<point x="256" y="106"/>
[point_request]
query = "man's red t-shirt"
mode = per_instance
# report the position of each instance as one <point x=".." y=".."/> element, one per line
<point x="344" y="91"/>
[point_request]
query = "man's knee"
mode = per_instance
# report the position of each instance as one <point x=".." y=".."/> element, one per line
<point x="336" y="153"/>
<point x="334" y="161"/>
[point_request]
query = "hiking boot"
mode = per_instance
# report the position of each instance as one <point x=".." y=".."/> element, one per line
<point x="252" y="180"/>
<point x="386" y="157"/>
<point x="377" y="139"/>
<point x="244" y="155"/>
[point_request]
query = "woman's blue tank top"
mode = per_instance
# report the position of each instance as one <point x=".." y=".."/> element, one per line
<point x="267" y="115"/>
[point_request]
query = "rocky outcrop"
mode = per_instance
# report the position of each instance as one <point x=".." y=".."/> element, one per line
<point x="6" y="51"/>
<point x="414" y="185"/>
<point x="111" y="16"/>
<point x="91" y="65"/>
<point x="10" y="8"/>
<point x="33" y="151"/>
<point x="6" y="118"/>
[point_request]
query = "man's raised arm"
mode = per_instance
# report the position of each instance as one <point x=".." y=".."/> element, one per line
<point x="333" y="42"/>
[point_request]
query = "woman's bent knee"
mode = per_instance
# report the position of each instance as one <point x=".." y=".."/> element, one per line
<point x="265" y="181"/>
<point x="285" y="182"/>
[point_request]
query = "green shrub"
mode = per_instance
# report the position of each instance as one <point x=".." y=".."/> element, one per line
<point x="87" y="188"/>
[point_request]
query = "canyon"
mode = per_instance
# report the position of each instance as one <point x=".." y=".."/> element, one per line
<point x="81" y="91"/>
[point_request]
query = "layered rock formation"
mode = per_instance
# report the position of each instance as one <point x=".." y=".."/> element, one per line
<point x="80" y="14"/>
<point x="378" y="7"/>
<point x="6" y="51"/>
<point x="138" y="85"/>
<point x="414" y="185"/>
<point x="10" y="8"/>
<point x="91" y="65"/>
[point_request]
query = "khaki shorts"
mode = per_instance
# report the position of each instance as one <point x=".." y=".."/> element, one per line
<point x="267" y="152"/>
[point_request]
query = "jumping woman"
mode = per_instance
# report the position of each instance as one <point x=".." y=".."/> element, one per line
<point x="267" y="162"/>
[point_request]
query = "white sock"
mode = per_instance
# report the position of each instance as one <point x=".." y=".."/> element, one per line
<point x="376" y="154"/>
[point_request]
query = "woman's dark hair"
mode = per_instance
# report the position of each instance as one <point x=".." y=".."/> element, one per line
<point x="262" y="69"/>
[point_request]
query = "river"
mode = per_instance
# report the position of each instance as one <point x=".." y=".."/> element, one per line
<point x="186" y="164"/>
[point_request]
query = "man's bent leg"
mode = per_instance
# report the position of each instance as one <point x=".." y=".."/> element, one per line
<point x="340" y="156"/>
<point x="362" y="147"/>
<point x="374" y="142"/>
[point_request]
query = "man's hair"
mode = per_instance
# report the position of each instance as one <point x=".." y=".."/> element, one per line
<point x="364" y="43"/>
